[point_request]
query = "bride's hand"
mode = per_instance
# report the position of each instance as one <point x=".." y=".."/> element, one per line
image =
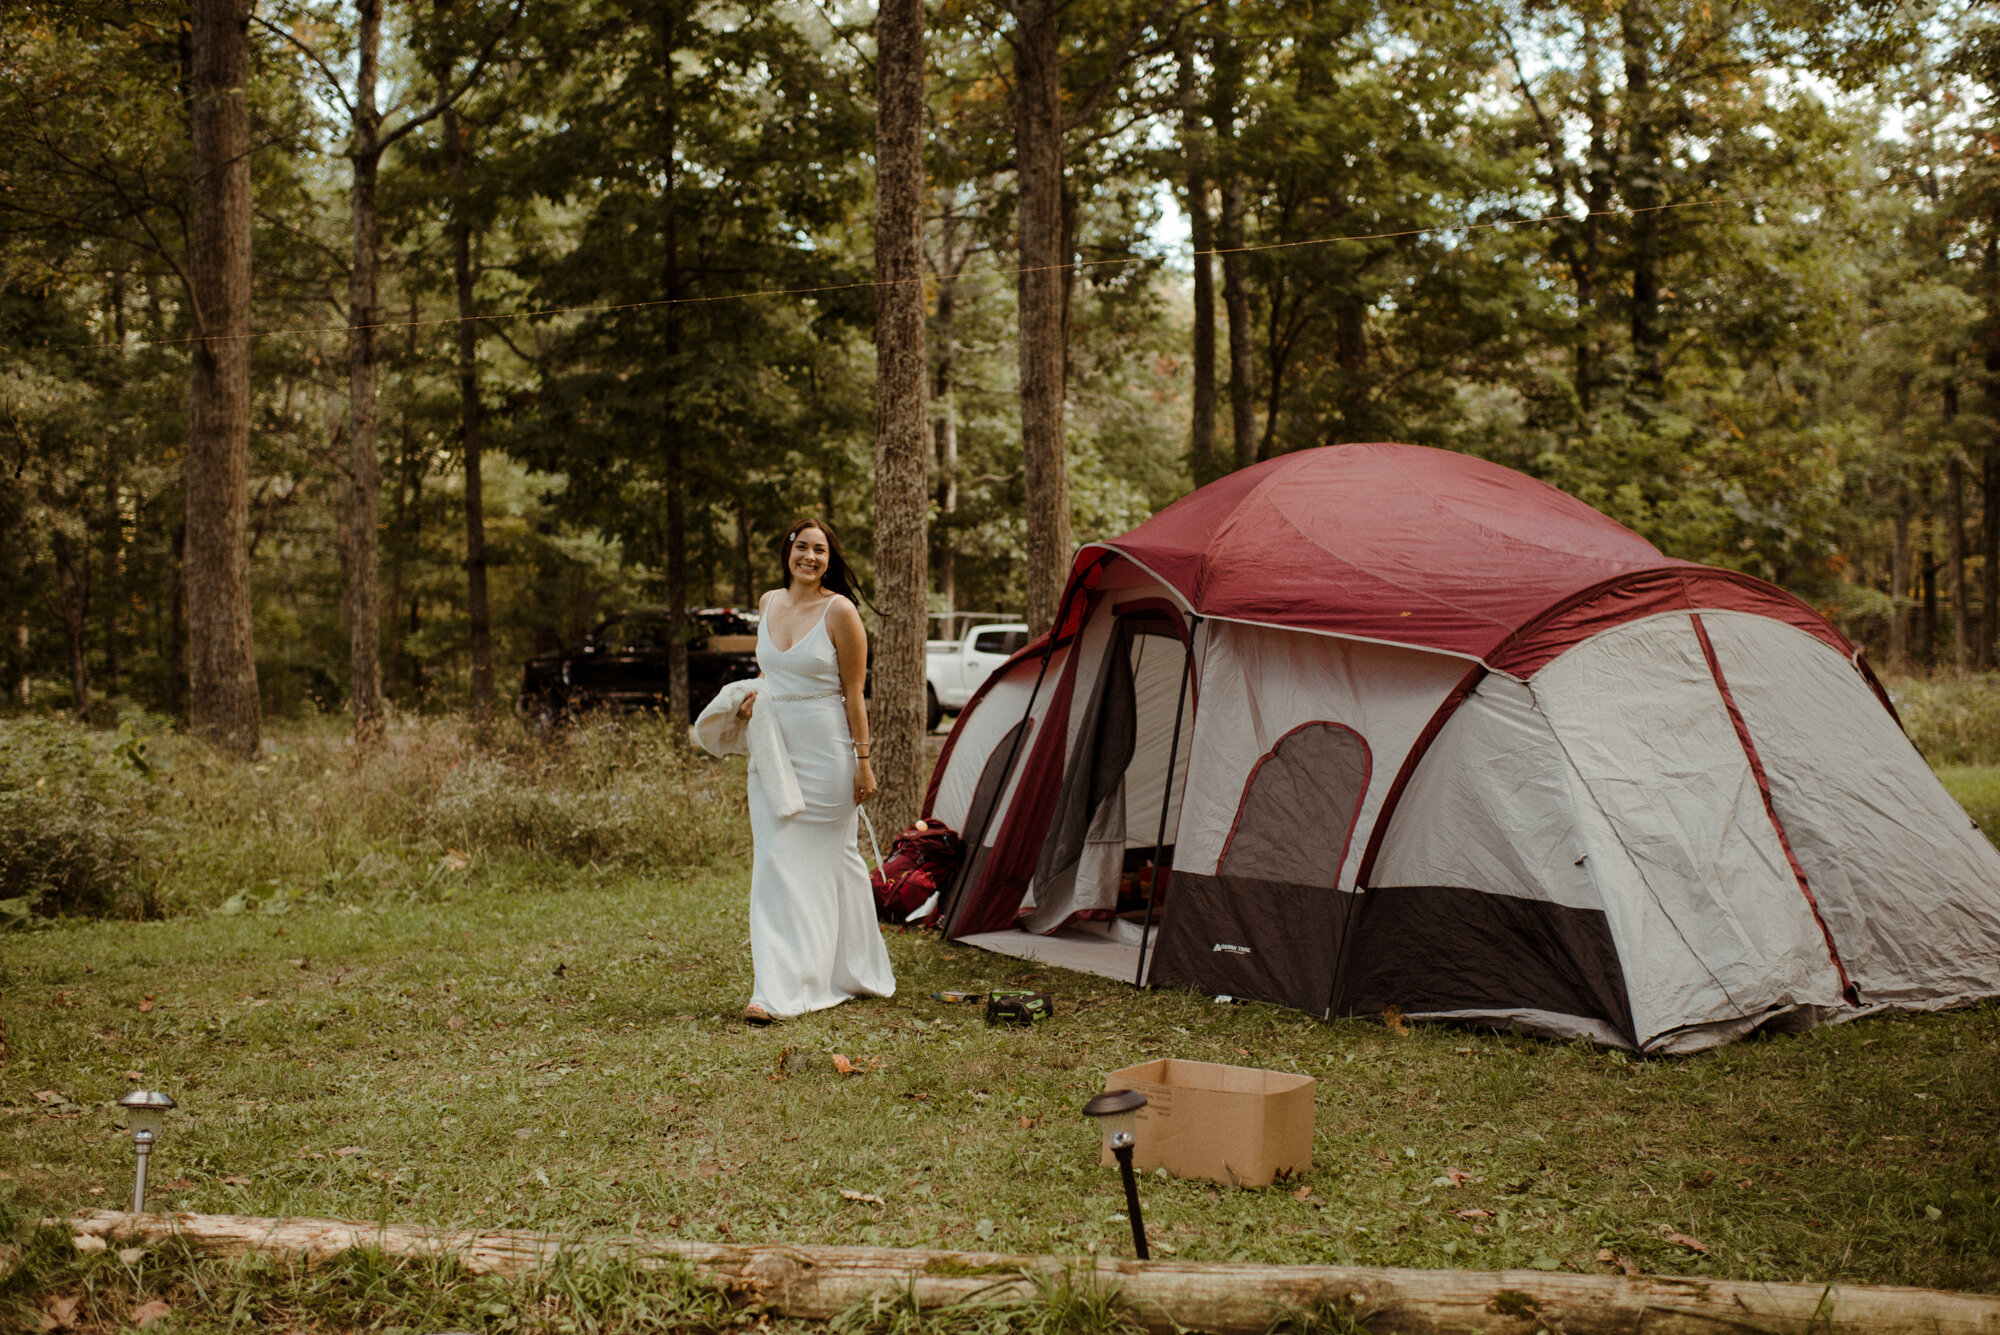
<point x="865" y="786"/>
<point x="743" y="710"/>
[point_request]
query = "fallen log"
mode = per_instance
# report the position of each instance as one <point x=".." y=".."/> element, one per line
<point x="814" y="1283"/>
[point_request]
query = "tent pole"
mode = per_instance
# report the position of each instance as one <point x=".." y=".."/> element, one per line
<point x="1166" y="799"/>
<point x="972" y="846"/>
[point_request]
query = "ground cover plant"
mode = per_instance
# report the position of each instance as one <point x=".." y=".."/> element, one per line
<point x="471" y="1026"/>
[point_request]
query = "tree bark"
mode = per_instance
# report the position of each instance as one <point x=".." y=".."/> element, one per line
<point x="1235" y="264"/>
<point x="1038" y="155"/>
<point x="1201" y="229"/>
<point x="1954" y="537"/>
<point x="902" y="428"/>
<point x="1165" y="1297"/>
<point x="111" y="547"/>
<point x="222" y="664"/>
<point x="73" y="603"/>
<point x="953" y="251"/>
<point x="670" y="436"/>
<point x="364" y="465"/>
<point x="1899" y="585"/>
<point x="471" y="419"/>
<point x="1644" y="194"/>
<point x="745" y="592"/>
<point x="1989" y="551"/>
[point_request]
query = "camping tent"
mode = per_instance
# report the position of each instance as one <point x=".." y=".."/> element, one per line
<point x="1412" y="728"/>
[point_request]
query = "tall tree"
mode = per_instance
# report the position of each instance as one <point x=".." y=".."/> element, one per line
<point x="902" y="544"/>
<point x="222" y="667"/>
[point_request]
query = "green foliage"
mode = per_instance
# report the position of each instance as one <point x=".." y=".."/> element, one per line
<point x="97" y="824"/>
<point x="1954" y="723"/>
<point x="76" y="831"/>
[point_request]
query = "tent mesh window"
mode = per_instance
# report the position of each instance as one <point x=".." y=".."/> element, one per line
<point x="1299" y="808"/>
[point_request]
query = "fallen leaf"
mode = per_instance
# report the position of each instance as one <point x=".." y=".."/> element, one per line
<point x="1743" y="1184"/>
<point x="842" y="1065"/>
<point x="146" y="1002"/>
<point x="1700" y="1180"/>
<point x="134" y="1075"/>
<point x="346" y="1150"/>
<point x="61" y="1313"/>
<point x="1302" y="1193"/>
<point x="1473" y="1214"/>
<point x="1027" y="1122"/>
<point x="525" y="1133"/>
<point x="1454" y="1177"/>
<point x="131" y="1255"/>
<point x="1392" y="1016"/>
<point x="49" y="1096"/>
<point x="847" y="1195"/>
<point x="86" y="1242"/>
<point x="145" y="1314"/>
<point x="235" y="1181"/>
<point x="1683" y="1240"/>
<point x="454" y="1023"/>
<point x="1609" y="1257"/>
<point x="302" y="963"/>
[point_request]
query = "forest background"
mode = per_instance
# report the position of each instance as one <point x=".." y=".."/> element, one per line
<point x="560" y="306"/>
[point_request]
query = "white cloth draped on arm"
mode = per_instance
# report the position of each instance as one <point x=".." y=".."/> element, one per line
<point x="719" y="731"/>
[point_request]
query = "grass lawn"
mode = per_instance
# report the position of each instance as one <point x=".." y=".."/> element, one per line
<point x="562" y="1051"/>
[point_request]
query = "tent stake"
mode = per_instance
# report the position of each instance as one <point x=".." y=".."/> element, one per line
<point x="1166" y="799"/>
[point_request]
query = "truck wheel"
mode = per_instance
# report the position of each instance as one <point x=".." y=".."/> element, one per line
<point x="933" y="711"/>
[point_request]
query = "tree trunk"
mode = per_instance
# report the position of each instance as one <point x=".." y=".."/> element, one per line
<point x="902" y="541"/>
<point x="24" y="685"/>
<point x="111" y="547"/>
<point x="222" y="664"/>
<point x="1899" y="585"/>
<point x="175" y="651"/>
<point x="670" y="436"/>
<point x="73" y="602"/>
<point x="1954" y="537"/>
<point x="1927" y="624"/>
<point x="1644" y="195"/>
<point x="471" y="416"/>
<point x="1038" y="155"/>
<point x="1201" y="229"/>
<point x="745" y="592"/>
<point x="954" y="249"/>
<point x="364" y="496"/>
<point x="1989" y="551"/>
<point x="819" y="1283"/>
<point x="1235" y="265"/>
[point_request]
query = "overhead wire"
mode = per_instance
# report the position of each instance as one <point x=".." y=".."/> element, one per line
<point x="541" y="312"/>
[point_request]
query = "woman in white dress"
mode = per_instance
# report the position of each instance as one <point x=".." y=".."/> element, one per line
<point x="813" y="936"/>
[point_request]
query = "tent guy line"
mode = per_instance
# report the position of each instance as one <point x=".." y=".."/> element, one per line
<point x="866" y="284"/>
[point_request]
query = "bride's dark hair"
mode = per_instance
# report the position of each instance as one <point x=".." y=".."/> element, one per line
<point x="839" y="576"/>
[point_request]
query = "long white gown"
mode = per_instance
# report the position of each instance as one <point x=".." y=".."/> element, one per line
<point x="813" y="935"/>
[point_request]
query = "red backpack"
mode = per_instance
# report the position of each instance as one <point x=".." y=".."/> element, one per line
<point x="919" y="865"/>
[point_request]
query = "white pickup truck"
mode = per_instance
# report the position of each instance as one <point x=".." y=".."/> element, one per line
<point x="957" y="668"/>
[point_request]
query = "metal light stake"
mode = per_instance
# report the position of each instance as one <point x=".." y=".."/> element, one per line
<point x="146" y="1112"/>
<point x="1117" y="1114"/>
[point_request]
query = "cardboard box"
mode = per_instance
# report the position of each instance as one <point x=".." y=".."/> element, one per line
<point x="1233" y="1124"/>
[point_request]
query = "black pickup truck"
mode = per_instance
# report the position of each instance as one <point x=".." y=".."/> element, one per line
<point x="623" y="665"/>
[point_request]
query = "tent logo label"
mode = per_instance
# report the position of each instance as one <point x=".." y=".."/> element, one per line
<point x="1223" y="948"/>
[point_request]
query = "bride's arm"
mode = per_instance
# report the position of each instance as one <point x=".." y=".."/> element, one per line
<point x="850" y="646"/>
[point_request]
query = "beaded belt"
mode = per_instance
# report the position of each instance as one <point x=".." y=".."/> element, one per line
<point x="814" y="695"/>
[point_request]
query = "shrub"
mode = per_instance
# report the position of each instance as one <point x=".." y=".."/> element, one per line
<point x="1952" y="722"/>
<point x="75" y="819"/>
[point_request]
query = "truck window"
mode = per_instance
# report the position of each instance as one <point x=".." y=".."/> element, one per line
<point x="998" y="641"/>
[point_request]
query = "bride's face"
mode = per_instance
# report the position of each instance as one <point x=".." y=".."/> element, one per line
<point x="808" y="557"/>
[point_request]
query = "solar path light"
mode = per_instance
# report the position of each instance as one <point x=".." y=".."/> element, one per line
<point x="146" y="1113"/>
<point x="1117" y="1114"/>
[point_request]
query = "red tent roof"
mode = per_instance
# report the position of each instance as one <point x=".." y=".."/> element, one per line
<point x="1398" y="543"/>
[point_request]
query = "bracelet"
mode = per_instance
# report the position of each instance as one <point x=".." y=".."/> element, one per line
<point x="860" y="754"/>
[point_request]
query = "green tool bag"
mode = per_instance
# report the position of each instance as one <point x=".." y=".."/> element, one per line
<point x="1014" y="1005"/>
